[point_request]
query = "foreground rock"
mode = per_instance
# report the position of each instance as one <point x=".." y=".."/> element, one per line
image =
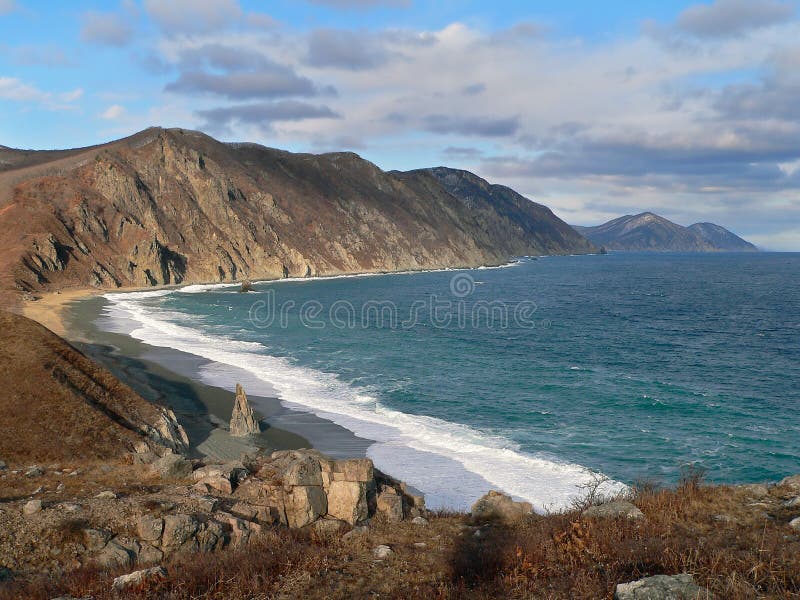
<point x="172" y="466"/>
<point x="496" y="505"/>
<point x="660" y="587"/>
<point x="139" y="579"/>
<point x="614" y="510"/>
<point x="243" y="421"/>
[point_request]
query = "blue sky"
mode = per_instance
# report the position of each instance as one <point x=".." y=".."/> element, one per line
<point x="594" y="109"/>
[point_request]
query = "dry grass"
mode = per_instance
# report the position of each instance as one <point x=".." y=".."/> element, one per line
<point x="736" y="546"/>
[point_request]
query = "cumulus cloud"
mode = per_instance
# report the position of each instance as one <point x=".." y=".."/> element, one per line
<point x="350" y="4"/>
<point x="462" y="152"/>
<point x="109" y="29"/>
<point x="12" y="88"/>
<point x="344" y="49"/>
<point x="7" y="6"/>
<point x="733" y="17"/>
<point x="472" y="125"/>
<point x="271" y="81"/>
<point x="265" y="113"/>
<point x="191" y="16"/>
<point x="115" y="111"/>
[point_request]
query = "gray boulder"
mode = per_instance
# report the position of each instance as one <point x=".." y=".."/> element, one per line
<point x="138" y="579"/>
<point x="497" y="505"/>
<point x="172" y="466"/>
<point x="660" y="587"/>
<point x="32" y="507"/>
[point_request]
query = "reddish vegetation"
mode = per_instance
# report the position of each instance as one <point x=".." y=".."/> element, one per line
<point x="749" y="553"/>
<point x="58" y="405"/>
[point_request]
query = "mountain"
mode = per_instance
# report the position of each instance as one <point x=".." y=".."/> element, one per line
<point x="168" y="206"/>
<point x="721" y="238"/>
<point x="648" y="232"/>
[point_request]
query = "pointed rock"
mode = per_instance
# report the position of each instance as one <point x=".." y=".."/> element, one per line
<point x="243" y="421"/>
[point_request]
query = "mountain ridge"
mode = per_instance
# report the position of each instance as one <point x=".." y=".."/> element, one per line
<point x="649" y="232"/>
<point x="172" y="206"/>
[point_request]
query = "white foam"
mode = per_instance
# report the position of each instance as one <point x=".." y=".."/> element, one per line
<point x="452" y="463"/>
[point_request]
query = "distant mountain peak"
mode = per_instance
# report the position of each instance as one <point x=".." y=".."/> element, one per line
<point x="649" y="232"/>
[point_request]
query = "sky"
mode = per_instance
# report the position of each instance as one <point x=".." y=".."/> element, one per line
<point x="595" y="109"/>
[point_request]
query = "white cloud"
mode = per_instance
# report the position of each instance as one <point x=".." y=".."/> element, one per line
<point x="115" y="111"/>
<point x="192" y="16"/>
<point x="12" y="88"/>
<point x="72" y="96"/>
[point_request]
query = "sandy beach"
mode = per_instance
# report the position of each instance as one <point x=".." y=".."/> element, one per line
<point x="171" y="378"/>
<point x="49" y="309"/>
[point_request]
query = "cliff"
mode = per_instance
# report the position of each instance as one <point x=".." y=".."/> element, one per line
<point x="176" y="206"/>
<point x="648" y="232"/>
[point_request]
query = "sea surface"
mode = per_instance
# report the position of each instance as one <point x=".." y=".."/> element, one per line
<point x="527" y="378"/>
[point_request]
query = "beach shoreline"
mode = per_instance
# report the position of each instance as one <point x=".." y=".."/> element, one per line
<point x="172" y="378"/>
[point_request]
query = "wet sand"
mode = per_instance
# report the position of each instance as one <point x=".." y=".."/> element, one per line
<point x="174" y="379"/>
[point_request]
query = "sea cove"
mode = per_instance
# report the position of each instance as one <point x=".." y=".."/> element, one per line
<point x="613" y="349"/>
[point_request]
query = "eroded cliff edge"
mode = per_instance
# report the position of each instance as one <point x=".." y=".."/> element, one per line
<point x="176" y="206"/>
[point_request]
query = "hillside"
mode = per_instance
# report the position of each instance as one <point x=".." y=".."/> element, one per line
<point x="648" y="232"/>
<point x="59" y="405"/>
<point x="176" y="206"/>
<point x="721" y="238"/>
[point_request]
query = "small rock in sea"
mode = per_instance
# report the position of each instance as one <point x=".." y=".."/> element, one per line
<point x="32" y="507"/>
<point x="382" y="552"/>
<point x="613" y="510"/>
<point x="795" y="523"/>
<point x="660" y="587"/>
<point x="247" y="286"/>
<point x="419" y="521"/>
<point x="139" y="578"/>
<point x="34" y="471"/>
<point x="106" y="495"/>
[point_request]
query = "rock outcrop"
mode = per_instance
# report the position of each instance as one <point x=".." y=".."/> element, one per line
<point x="169" y="206"/>
<point x="243" y="420"/>
<point x="500" y="506"/>
<point x="660" y="587"/>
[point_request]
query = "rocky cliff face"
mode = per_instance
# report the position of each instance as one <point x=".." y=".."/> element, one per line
<point x="175" y="206"/>
<point x="648" y="232"/>
<point x="721" y="238"/>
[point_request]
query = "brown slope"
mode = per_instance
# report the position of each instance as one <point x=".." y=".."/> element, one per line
<point x="56" y="404"/>
<point x="173" y="206"/>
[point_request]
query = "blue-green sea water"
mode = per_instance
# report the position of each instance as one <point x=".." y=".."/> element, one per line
<point x="632" y="365"/>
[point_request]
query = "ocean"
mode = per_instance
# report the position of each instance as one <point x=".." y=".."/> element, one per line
<point x="529" y="378"/>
